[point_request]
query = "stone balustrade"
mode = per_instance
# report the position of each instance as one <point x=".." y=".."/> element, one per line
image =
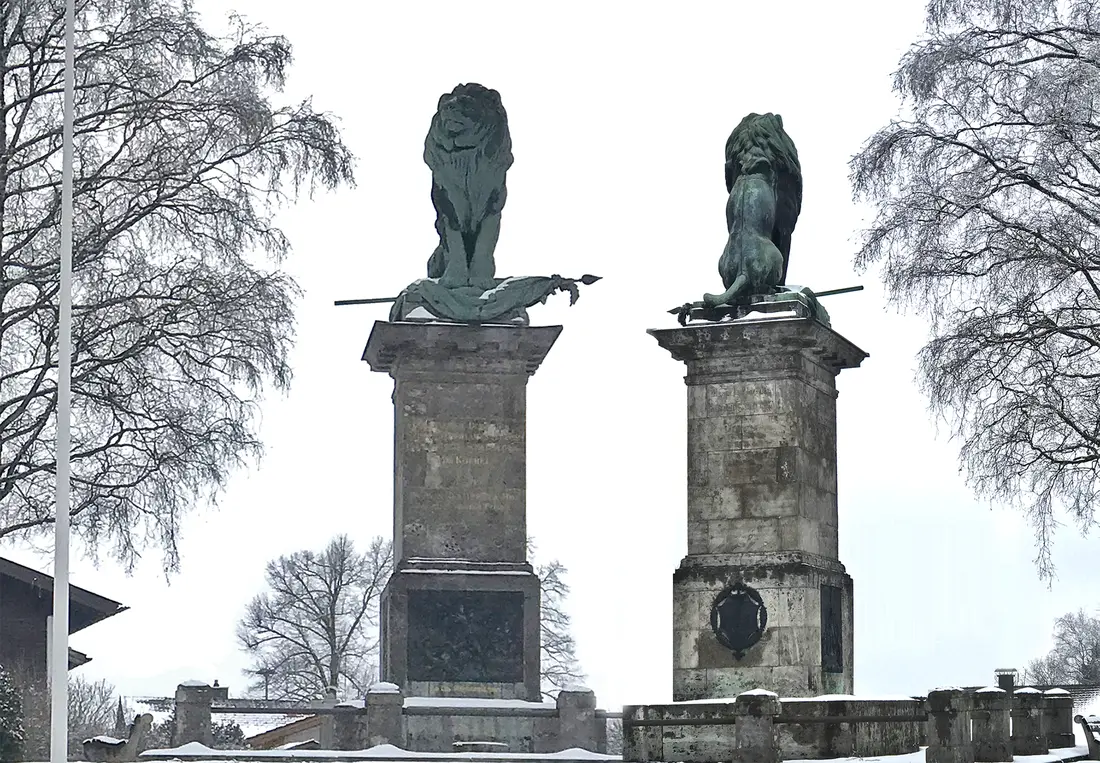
<point x="423" y="724"/>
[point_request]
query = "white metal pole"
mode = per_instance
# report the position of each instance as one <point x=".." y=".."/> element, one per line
<point x="59" y="689"/>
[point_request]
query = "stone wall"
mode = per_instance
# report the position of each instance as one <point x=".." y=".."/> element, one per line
<point x="805" y="729"/>
<point x="420" y="724"/>
<point x="956" y="726"/>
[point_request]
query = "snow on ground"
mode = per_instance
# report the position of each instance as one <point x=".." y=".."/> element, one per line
<point x="1055" y="756"/>
<point x="388" y="752"/>
<point x="384" y="752"/>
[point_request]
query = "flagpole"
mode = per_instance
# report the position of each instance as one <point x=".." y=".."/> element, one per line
<point x="59" y="689"/>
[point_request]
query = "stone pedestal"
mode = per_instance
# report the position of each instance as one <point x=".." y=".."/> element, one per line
<point x="755" y="712"/>
<point x="990" y="729"/>
<point x="577" y="723"/>
<point x="192" y="717"/>
<point x="460" y="615"/>
<point x="1059" y="712"/>
<point x="1029" y="723"/>
<point x="949" y="739"/>
<point x="762" y="512"/>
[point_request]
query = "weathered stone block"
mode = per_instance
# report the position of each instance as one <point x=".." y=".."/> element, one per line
<point x="721" y="433"/>
<point x="744" y="467"/>
<point x="1029" y="723"/>
<point x="734" y="536"/>
<point x="1058" y="705"/>
<point x="769" y="430"/>
<point x="757" y="741"/>
<point x="697" y="402"/>
<point x="990" y="725"/>
<point x="577" y="719"/>
<point x="768" y="499"/>
<point x="744" y="398"/>
<point x="949" y="738"/>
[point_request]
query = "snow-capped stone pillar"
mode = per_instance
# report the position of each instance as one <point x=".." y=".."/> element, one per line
<point x="577" y="725"/>
<point x="193" y="702"/>
<point x="949" y="738"/>
<point x="1059" y="712"/>
<point x="385" y="706"/>
<point x="1029" y="733"/>
<point x="349" y="726"/>
<point x="991" y="734"/>
<point x="757" y="740"/>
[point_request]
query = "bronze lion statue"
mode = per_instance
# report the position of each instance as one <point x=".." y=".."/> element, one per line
<point x="764" y="182"/>
<point x="469" y="151"/>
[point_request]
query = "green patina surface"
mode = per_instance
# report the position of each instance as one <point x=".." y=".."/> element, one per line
<point x="469" y="151"/>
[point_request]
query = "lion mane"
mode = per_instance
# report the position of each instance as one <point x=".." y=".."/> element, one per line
<point x="761" y="137"/>
<point x="469" y="150"/>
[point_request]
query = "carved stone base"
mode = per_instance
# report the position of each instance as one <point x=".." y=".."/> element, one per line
<point x="804" y="651"/>
<point x="452" y="629"/>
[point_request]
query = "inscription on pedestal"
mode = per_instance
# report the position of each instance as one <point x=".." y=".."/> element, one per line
<point x="832" y="635"/>
<point x="465" y="636"/>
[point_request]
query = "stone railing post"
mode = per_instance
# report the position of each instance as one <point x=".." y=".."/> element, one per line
<point x="949" y="738"/>
<point x="641" y="744"/>
<point x="1029" y="734"/>
<point x="1059" y="712"/>
<point x="193" y="701"/>
<point x="992" y="737"/>
<point x="577" y="720"/>
<point x="385" y="705"/>
<point x="754" y="717"/>
<point x="349" y="726"/>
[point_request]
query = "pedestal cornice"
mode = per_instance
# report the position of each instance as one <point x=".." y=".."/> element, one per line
<point x="743" y="339"/>
<point x="458" y="347"/>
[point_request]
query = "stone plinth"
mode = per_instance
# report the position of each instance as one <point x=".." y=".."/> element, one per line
<point x="762" y="507"/>
<point x="990" y="727"/>
<point x="755" y="713"/>
<point x="460" y="615"/>
<point x="1029" y="723"/>
<point x="192" y="716"/>
<point x="949" y="739"/>
<point x="1059" y="711"/>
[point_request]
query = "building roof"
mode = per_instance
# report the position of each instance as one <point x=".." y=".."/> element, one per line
<point x="276" y="737"/>
<point x="85" y="608"/>
<point x="1082" y="694"/>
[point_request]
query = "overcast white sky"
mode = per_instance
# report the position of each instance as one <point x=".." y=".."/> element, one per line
<point x="619" y="113"/>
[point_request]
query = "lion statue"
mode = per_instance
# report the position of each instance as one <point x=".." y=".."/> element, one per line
<point x="469" y="151"/>
<point x="764" y="181"/>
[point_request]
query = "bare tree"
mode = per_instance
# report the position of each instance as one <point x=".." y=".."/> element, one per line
<point x="180" y="162"/>
<point x="1075" y="658"/>
<point x="614" y="736"/>
<point x="559" y="667"/>
<point x="92" y="711"/>
<point x="309" y="631"/>
<point x="988" y="223"/>
<point x="1042" y="671"/>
